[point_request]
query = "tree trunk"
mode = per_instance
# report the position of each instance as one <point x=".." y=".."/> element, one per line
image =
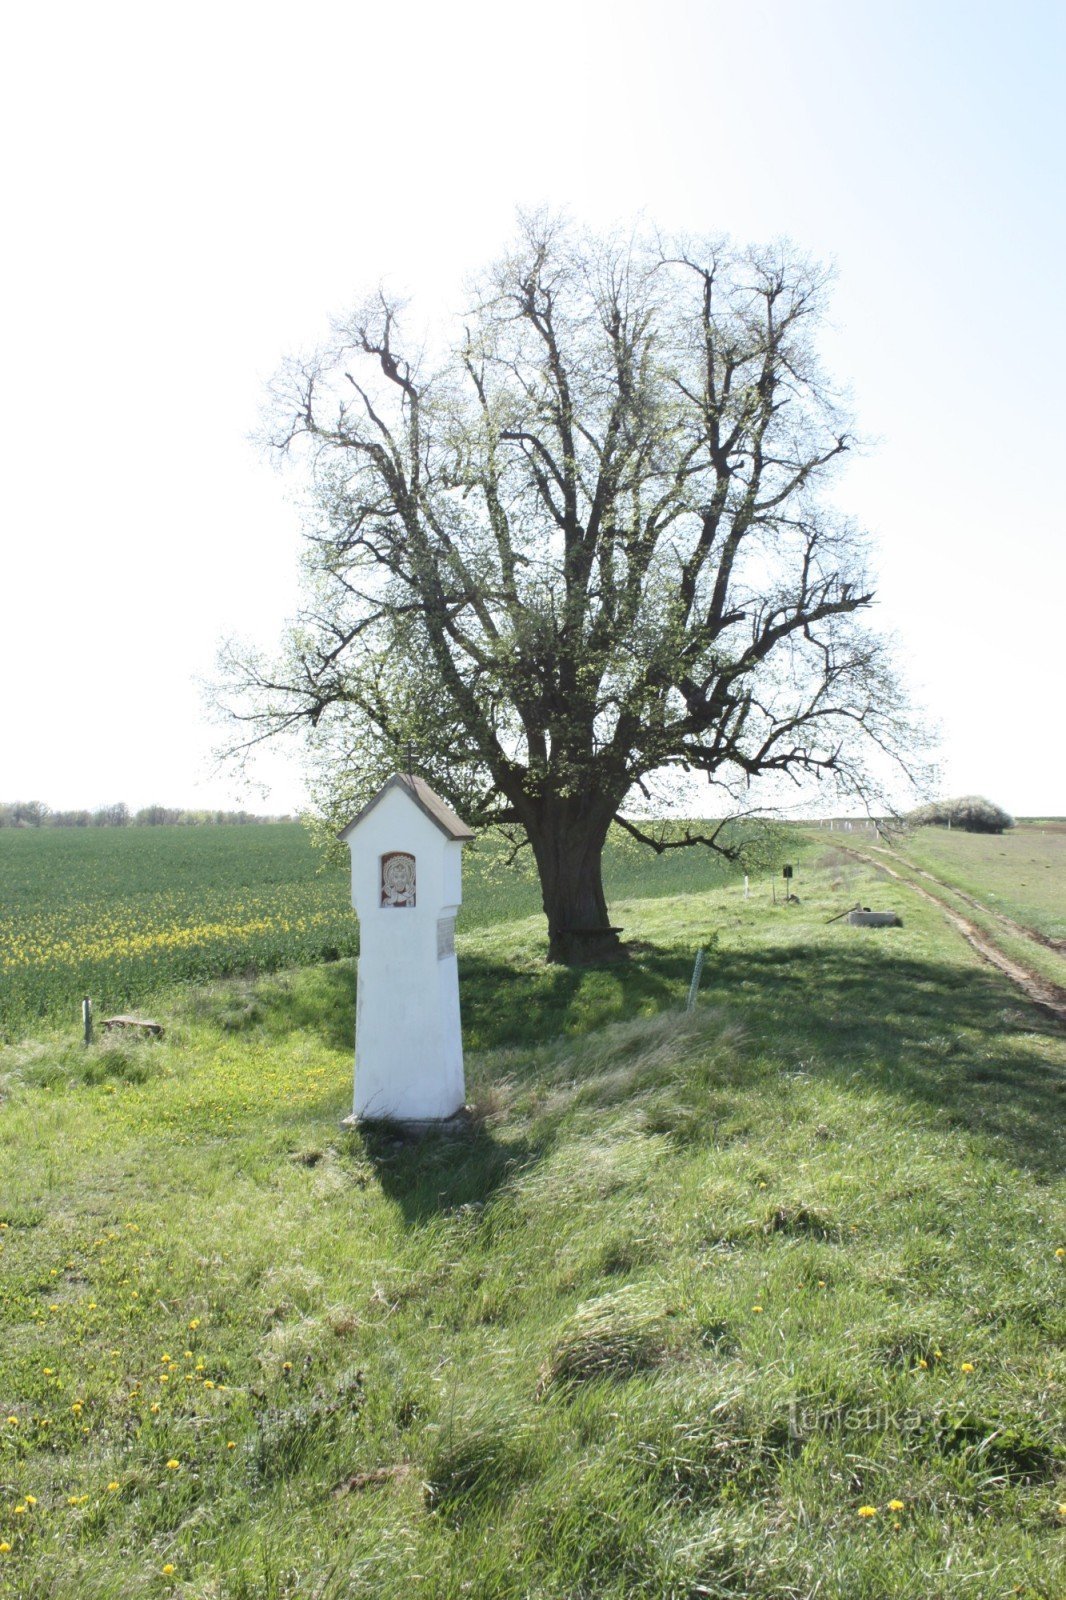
<point x="568" y="847"/>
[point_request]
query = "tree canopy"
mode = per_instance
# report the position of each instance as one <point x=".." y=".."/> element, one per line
<point x="577" y="548"/>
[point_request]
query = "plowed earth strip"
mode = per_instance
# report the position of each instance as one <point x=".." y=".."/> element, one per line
<point x="1047" y="996"/>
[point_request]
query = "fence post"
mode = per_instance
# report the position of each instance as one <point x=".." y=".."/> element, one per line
<point x="693" y="987"/>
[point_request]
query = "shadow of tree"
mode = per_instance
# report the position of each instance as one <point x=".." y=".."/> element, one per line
<point x="506" y="1005"/>
<point x="922" y="1030"/>
<point x="860" y="1010"/>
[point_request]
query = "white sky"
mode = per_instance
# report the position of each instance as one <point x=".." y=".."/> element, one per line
<point x="189" y="193"/>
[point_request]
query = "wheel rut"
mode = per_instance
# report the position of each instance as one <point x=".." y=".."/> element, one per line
<point x="1049" y="997"/>
<point x="1018" y="929"/>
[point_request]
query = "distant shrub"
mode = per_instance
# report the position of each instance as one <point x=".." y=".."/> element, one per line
<point x="970" y="812"/>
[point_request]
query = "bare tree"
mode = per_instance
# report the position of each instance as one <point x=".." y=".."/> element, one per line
<point x="582" y="549"/>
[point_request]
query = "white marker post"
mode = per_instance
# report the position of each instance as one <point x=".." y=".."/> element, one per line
<point x="407" y="847"/>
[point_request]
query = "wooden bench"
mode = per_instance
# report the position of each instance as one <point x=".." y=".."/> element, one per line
<point x="154" y="1028"/>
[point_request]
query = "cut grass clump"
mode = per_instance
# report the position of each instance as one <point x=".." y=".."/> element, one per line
<point x="697" y="1444"/>
<point x="613" y="1336"/>
<point x="802" y="1222"/>
<point x="999" y="1449"/>
<point x="481" y="1460"/>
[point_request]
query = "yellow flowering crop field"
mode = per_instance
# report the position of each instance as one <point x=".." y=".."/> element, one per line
<point x="122" y="913"/>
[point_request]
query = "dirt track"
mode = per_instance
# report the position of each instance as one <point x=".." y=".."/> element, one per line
<point x="1018" y="929"/>
<point x="1048" y="996"/>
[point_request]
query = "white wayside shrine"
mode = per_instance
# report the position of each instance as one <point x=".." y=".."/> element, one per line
<point x="407" y="848"/>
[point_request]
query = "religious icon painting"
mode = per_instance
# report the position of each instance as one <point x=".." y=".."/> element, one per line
<point x="397" y="879"/>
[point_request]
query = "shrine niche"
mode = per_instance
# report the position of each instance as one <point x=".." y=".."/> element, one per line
<point x="397" y="879"/>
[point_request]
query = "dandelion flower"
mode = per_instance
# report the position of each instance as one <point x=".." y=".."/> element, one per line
<point x="1060" y="1252"/>
<point x="31" y="1499"/>
<point x="923" y="1363"/>
<point x="5" y="1548"/>
<point x="867" y="1511"/>
<point x="895" y="1505"/>
<point x="967" y="1366"/>
<point x="20" y="1511"/>
<point x="112" y="1486"/>
<point x="757" y="1309"/>
<point x="173" y="1465"/>
<point x="155" y="1405"/>
<point x="14" y="1421"/>
<point x="195" y="1323"/>
<point x="168" y="1569"/>
<point x="231" y="1445"/>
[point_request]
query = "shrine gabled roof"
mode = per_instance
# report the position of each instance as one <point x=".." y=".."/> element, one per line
<point x="427" y="801"/>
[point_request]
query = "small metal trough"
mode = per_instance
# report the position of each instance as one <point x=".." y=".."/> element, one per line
<point x="861" y="918"/>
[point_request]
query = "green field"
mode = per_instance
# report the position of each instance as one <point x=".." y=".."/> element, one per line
<point x="1021" y="872"/>
<point x="123" y="914"/>
<point x="765" y="1302"/>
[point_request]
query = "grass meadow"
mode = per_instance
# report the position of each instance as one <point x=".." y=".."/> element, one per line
<point x="1021" y="872"/>
<point x="765" y="1300"/>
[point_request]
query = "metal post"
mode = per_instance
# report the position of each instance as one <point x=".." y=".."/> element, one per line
<point x="87" y="1019"/>
<point x="693" y="987"/>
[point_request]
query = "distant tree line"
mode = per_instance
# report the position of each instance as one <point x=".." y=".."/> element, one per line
<point x="35" y="814"/>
